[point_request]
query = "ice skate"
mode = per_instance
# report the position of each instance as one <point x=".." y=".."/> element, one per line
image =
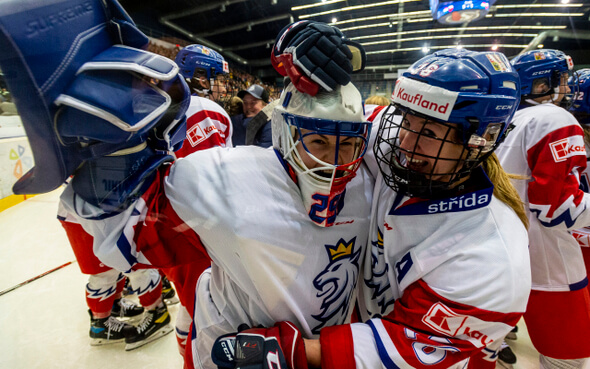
<point x="155" y="324"/>
<point x="506" y="357"/>
<point x="168" y="292"/>
<point x="108" y="330"/>
<point x="123" y="308"/>
<point x="512" y="334"/>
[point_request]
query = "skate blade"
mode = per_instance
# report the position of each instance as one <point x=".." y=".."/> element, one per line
<point x="172" y="301"/>
<point x="104" y="341"/>
<point x="129" y="319"/>
<point x="511" y="336"/>
<point x="159" y="334"/>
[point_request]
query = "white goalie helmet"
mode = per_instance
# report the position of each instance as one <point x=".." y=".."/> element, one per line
<point x="323" y="139"/>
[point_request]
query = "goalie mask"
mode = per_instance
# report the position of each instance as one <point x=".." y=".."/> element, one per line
<point x="551" y="68"/>
<point x="323" y="139"/>
<point x="201" y="67"/>
<point x="450" y="110"/>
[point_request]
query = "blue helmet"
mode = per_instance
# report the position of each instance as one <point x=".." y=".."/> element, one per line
<point x="200" y="58"/>
<point x="580" y="107"/>
<point x="545" y="64"/>
<point x="475" y="93"/>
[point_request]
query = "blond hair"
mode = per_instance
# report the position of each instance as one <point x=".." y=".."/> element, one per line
<point x="234" y="106"/>
<point x="377" y="100"/>
<point x="503" y="188"/>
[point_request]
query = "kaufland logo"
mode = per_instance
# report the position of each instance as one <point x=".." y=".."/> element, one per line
<point x="423" y="98"/>
<point x="567" y="147"/>
<point x="445" y="321"/>
<point x="200" y="132"/>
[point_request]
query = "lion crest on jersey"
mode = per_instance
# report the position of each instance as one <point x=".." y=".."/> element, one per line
<point x="379" y="283"/>
<point x="337" y="282"/>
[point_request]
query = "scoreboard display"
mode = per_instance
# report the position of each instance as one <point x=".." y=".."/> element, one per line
<point x="457" y="12"/>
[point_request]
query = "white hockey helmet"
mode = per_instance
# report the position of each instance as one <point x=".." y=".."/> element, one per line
<point x="336" y="117"/>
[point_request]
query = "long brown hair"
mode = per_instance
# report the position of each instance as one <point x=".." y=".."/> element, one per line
<point x="503" y="188"/>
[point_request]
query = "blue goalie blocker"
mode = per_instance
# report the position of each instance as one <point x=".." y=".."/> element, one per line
<point x="93" y="103"/>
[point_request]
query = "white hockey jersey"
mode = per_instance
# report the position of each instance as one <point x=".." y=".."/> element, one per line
<point x="208" y="125"/>
<point x="444" y="282"/>
<point x="547" y="148"/>
<point x="582" y="235"/>
<point x="241" y="208"/>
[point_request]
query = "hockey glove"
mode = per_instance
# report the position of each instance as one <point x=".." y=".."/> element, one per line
<point x="314" y="55"/>
<point x="278" y="347"/>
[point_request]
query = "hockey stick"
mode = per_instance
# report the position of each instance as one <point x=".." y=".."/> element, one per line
<point x="34" y="278"/>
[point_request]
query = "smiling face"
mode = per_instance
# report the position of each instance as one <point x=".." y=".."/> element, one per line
<point x="218" y="91"/>
<point x="430" y="148"/>
<point x="326" y="147"/>
<point x="252" y="105"/>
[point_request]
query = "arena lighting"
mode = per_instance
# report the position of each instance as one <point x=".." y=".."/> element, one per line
<point x="385" y="16"/>
<point x="494" y="47"/>
<point x="565" y="1"/>
<point x="355" y="7"/>
<point x="484" y="35"/>
<point x="425" y="49"/>
<point x="334" y="20"/>
<point x="409" y="15"/>
<point x="515" y="15"/>
<point x="441" y="47"/>
<point x="450" y="29"/>
<point x="540" y="46"/>
<point x="300" y="7"/>
<point x="562" y="5"/>
<point x="372" y="25"/>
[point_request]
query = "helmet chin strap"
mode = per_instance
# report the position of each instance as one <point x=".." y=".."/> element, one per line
<point x="551" y="98"/>
<point x="201" y="92"/>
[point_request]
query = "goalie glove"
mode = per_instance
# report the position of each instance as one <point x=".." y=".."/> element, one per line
<point x="314" y="55"/>
<point x="88" y="95"/>
<point x="278" y="347"/>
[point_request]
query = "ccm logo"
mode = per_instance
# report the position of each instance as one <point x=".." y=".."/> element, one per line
<point x="567" y="147"/>
<point x="503" y="107"/>
<point x="541" y="72"/>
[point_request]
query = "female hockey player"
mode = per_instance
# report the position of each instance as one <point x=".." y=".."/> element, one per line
<point x="447" y="273"/>
<point x="581" y="110"/>
<point x="285" y="230"/>
<point x="547" y="148"/>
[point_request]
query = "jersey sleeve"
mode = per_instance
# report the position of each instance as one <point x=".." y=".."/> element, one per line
<point x="160" y="235"/>
<point x="424" y="330"/>
<point x="556" y="162"/>
<point x="146" y="235"/>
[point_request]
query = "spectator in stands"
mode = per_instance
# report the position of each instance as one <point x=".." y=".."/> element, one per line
<point x="258" y="130"/>
<point x="255" y="98"/>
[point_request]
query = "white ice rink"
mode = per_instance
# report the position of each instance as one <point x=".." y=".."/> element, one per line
<point x="44" y="324"/>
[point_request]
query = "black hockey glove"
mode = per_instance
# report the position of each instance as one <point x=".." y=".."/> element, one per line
<point x="278" y="347"/>
<point x="314" y="55"/>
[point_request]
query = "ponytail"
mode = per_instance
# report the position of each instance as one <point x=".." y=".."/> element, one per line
<point x="503" y="188"/>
